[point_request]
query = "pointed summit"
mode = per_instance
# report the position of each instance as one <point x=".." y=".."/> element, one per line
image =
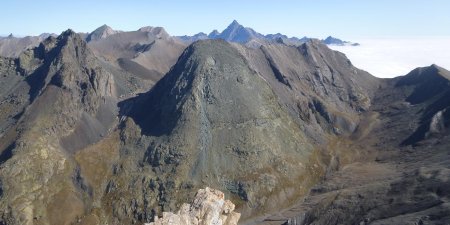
<point x="235" y="23"/>
<point x="10" y="35"/>
<point x="198" y="102"/>
<point x="68" y="32"/>
<point x="214" y="34"/>
<point x="330" y="40"/>
<point x="100" y="33"/>
<point x="71" y="36"/>
<point x="235" y="32"/>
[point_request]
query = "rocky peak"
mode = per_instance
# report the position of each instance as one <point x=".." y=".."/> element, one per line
<point x="441" y="71"/>
<point x="102" y="32"/>
<point x="336" y="41"/>
<point x="425" y="82"/>
<point x="232" y="28"/>
<point x="200" y="34"/>
<point x="76" y="56"/>
<point x="69" y="70"/>
<point x="214" y="34"/>
<point x="69" y="33"/>
<point x="234" y="24"/>
<point x="199" y="97"/>
<point x="425" y="74"/>
<point x="235" y="32"/>
<point x="276" y="36"/>
<point x="159" y="32"/>
<point x="68" y="63"/>
<point x="208" y="207"/>
<point x="332" y="40"/>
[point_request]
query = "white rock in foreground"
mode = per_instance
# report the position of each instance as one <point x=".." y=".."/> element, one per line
<point x="208" y="208"/>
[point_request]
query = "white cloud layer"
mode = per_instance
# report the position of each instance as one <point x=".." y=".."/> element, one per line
<point x="391" y="57"/>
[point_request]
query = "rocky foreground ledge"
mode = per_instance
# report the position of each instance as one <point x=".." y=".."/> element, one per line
<point x="208" y="208"/>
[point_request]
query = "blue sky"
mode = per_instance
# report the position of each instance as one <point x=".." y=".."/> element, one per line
<point x="314" y="18"/>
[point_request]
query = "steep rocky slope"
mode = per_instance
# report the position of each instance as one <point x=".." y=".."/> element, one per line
<point x="320" y="88"/>
<point x="202" y="124"/>
<point x="65" y="102"/>
<point x="401" y="174"/>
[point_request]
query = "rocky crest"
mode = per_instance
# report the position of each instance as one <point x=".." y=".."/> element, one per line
<point x="67" y="102"/>
<point x="237" y="33"/>
<point x="208" y="207"/>
<point x="100" y="33"/>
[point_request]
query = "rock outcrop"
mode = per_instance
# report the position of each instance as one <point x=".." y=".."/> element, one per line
<point x="209" y="207"/>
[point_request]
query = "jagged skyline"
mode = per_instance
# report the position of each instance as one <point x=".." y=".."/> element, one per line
<point x="346" y="19"/>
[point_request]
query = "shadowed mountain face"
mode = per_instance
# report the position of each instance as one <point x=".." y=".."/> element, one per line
<point x="290" y="134"/>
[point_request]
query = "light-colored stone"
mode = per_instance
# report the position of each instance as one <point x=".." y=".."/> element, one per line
<point x="208" y="208"/>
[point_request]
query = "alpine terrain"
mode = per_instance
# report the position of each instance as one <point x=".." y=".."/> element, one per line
<point x="117" y="127"/>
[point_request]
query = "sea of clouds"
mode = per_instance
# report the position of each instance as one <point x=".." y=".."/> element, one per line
<point x="390" y="57"/>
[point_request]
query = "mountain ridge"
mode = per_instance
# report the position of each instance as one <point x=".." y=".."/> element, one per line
<point x="295" y="131"/>
<point x="236" y="32"/>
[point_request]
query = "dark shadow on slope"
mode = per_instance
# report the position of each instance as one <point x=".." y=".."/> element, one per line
<point x="417" y="136"/>
<point x="7" y="153"/>
<point x="280" y="77"/>
<point x="424" y="129"/>
<point x="157" y="112"/>
<point x="430" y="86"/>
<point x="37" y="80"/>
<point x="427" y="81"/>
<point x="442" y="103"/>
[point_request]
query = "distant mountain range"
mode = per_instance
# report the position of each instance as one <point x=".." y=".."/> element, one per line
<point x="336" y="41"/>
<point x="12" y="46"/>
<point x="236" y="32"/>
